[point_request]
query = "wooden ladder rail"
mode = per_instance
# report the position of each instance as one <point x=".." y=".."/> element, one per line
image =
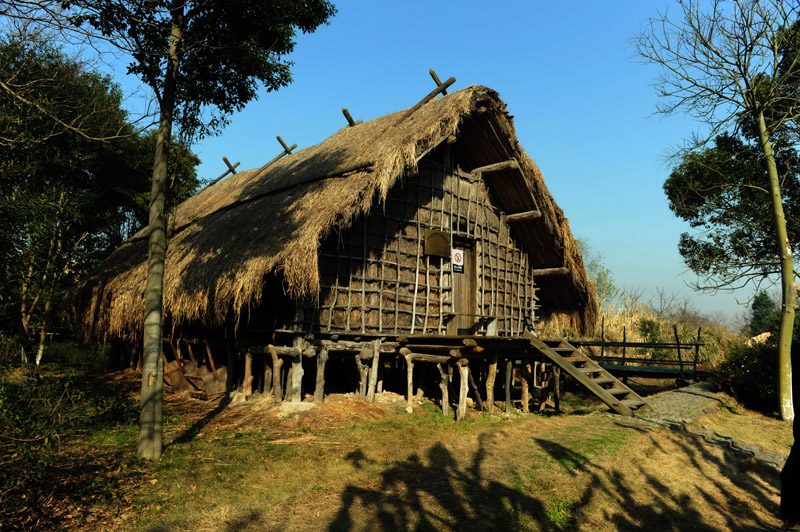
<point x="617" y="396"/>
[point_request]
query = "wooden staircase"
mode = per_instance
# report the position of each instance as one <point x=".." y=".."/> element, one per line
<point x="605" y="386"/>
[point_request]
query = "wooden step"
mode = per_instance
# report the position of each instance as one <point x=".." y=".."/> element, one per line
<point x="633" y="403"/>
<point x="611" y="396"/>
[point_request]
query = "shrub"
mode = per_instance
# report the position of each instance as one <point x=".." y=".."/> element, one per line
<point x="9" y="350"/>
<point x="749" y="374"/>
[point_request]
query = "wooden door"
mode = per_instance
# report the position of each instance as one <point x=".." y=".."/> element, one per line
<point x="465" y="290"/>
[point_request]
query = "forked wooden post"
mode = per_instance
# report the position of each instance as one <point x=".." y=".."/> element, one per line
<point x="277" y="363"/>
<point x="247" y="384"/>
<point x="509" y="383"/>
<point x="463" y="372"/>
<point x="297" y="372"/>
<point x="525" y="374"/>
<point x="410" y="389"/>
<point x="373" y="374"/>
<point x="362" y="376"/>
<point x="490" y="378"/>
<point x="443" y="386"/>
<point x="319" y="391"/>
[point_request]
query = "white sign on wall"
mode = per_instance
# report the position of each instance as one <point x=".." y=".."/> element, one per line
<point x="458" y="260"/>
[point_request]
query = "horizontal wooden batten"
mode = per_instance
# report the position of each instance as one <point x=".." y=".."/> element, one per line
<point x="543" y="272"/>
<point x="523" y="216"/>
<point x="511" y="164"/>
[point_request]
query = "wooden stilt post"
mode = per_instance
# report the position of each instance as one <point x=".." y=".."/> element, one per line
<point x="296" y="384"/>
<point x="509" y="383"/>
<point x="277" y="363"/>
<point x="474" y="388"/>
<point x="247" y="385"/>
<point x="379" y="388"/>
<point x="490" y="378"/>
<point x="362" y="376"/>
<point x="557" y="388"/>
<point x="525" y="375"/>
<point x="443" y="385"/>
<point x="230" y="370"/>
<point x="373" y="374"/>
<point x="267" y="377"/>
<point x="410" y="389"/>
<point x="463" y="371"/>
<point x="319" y="391"/>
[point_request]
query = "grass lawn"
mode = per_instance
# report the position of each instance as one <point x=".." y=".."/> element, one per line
<point x="351" y="466"/>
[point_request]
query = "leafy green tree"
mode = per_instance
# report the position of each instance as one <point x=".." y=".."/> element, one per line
<point x="203" y="60"/>
<point x="720" y="192"/>
<point x="731" y="64"/>
<point x="764" y="314"/>
<point x="67" y="197"/>
<point x="599" y="273"/>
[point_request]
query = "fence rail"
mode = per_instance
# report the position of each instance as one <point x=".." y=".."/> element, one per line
<point x="626" y="364"/>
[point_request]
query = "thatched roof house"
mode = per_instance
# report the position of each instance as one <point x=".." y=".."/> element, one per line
<point x="233" y="243"/>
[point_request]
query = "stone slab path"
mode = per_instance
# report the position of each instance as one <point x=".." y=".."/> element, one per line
<point x="680" y="409"/>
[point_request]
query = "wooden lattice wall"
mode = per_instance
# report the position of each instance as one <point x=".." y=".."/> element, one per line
<point x="376" y="278"/>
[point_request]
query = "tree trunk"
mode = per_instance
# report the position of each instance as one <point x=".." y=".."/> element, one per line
<point x="150" y="421"/>
<point x="788" y="292"/>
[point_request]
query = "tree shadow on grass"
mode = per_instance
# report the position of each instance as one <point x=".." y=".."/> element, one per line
<point x="194" y="429"/>
<point x="432" y="491"/>
<point x="435" y="493"/>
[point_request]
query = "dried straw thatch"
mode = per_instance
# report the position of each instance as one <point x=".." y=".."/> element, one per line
<point x="232" y="236"/>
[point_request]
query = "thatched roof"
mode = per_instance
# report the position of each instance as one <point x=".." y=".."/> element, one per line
<point x="226" y="240"/>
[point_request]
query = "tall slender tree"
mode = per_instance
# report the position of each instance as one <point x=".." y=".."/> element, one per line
<point x="726" y="63"/>
<point x="203" y="60"/>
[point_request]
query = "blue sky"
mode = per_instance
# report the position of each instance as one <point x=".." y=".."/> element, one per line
<point x="584" y="109"/>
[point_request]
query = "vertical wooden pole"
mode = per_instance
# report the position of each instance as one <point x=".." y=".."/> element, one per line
<point x="678" y="344"/>
<point x="373" y="374"/>
<point x="410" y="388"/>
<point x="696" y="355"/>
<point x="463" y="371"/>
<point x="603" y="340"/>
<point x="319" y="391"/>
<point x="443" y="386"/>
<point x="247" y="385"/>
<point x="509" y="383"/>
<point x="624" y="351"/>
<point x="277" y="363"/>
<point x="490" y="378"/>
<point x="297" y="372"/>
